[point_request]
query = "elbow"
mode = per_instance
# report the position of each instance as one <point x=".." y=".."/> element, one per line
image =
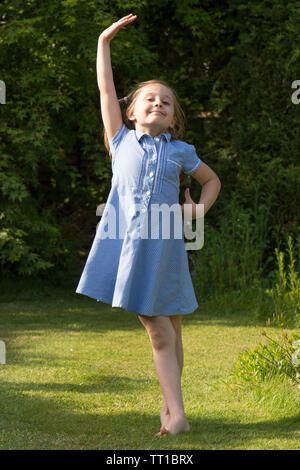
<point x="218" y="183"/>
<point x="218" y="186"/>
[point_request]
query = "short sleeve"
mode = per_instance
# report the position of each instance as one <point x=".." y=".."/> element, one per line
<point x="117" y="139"/>
<point x="191" y="161"/>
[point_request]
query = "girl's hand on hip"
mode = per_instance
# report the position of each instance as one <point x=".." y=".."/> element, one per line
<point x="109" y="33"/>
<point x="189" y="202"/>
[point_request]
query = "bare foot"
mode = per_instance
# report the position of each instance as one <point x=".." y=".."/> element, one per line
<point x="175" y="426"/>
<point x="164" y="415"/>
<point x="164" y="418"/>
<point x="162" y="431"/>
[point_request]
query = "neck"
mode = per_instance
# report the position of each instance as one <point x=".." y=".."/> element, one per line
<point x="151" y="131"/>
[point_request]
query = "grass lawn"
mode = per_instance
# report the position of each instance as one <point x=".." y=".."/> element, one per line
<point x="80" y="375"/>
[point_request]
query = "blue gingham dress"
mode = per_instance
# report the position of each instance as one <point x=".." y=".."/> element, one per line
<point x="143" y="274"/>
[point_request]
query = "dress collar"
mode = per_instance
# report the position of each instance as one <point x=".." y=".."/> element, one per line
<point x="167" y="135"/>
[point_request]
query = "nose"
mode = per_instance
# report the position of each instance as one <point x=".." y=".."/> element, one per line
<point x="157" y="102"/>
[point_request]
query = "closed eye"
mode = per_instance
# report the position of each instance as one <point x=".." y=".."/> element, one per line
<point x="151" y="99"/>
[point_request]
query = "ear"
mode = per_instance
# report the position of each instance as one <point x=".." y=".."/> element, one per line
<point x="130" y="115"/>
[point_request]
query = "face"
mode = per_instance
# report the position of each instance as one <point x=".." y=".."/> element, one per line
<point x="153" y="110"/>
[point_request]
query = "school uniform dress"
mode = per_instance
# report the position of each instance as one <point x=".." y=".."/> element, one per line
<point x="138" y="260"/>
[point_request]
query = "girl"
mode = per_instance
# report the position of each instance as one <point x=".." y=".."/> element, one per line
<point x="148" y="276"/>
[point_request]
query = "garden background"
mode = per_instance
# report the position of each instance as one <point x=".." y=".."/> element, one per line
<point x="233" y="65"/>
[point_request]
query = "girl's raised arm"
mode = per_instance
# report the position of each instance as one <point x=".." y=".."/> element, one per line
<point x="110" y="107"/>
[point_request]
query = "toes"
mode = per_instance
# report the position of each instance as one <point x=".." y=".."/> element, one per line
<point x="163" y="430"/>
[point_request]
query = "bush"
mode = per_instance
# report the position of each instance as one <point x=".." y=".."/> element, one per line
<point x="268" y="361"/>
<point x="232" y="257"/>
<point x="232" y="67"/>
<point x="286" y="291"/>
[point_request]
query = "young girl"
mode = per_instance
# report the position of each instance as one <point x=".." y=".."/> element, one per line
<point x="148" y="276"/>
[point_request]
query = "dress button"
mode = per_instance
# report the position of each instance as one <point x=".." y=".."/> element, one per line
<point x="144" y="209"/>
<point x="148" y="192"/>
<point x="154" y="157"/>
<point x="156" y="138"/>
<point x="151" y="174"/>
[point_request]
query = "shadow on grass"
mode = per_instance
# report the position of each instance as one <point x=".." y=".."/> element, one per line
<point x="74" y="312"/>
<point x="54" y="423"/>
<point x="32" y="304"/>
<point x="99" y="384"/>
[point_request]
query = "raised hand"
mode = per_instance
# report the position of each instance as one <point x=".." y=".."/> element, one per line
<point x="109" y="33"/>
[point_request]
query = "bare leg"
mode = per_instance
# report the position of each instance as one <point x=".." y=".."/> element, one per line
<point x="176" y="321"/>
<point x="166" y="349"/>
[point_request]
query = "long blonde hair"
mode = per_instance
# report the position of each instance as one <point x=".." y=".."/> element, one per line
<point x="127" y="103"/>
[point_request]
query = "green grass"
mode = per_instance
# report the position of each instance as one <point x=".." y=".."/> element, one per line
<point x="80" y="375"/>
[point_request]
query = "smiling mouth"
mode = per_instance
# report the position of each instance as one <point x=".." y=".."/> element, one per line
<point x="158" y="112"/>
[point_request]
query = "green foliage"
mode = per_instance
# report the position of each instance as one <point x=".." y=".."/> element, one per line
<point x="232" y="65"/>
<point x="258" y="121"/>
<point x="232" y="255"/>
<point x="271" y="360"/>
<point x="286" y="291"/>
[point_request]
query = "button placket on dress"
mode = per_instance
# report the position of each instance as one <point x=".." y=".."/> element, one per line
<point x="145" y="182"/>
<point x="148" y="178"/>
<point x="148" y="174"/>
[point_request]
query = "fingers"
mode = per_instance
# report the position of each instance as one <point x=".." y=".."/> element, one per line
<point x="127" y="16"/>
<point x="124" y="21"/>
<point x="188" y="195"/>
<point x="130" y="17"/>
<point x="112" y="30"/>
